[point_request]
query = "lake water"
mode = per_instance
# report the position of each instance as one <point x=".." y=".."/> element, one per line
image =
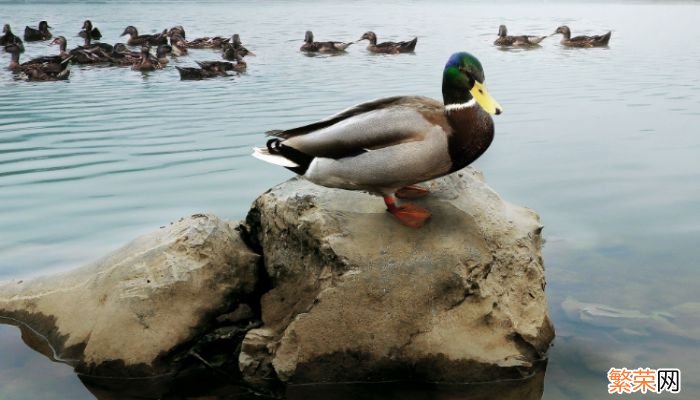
<point x="602" y="143"/>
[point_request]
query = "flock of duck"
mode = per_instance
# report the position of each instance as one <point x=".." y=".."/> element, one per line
<point x="173" y="42"/>
<point x="168" y="42"/>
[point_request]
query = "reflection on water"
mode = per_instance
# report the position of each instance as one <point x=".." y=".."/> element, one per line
<point x="203" y="382"/>
<point x="601" y="142"/>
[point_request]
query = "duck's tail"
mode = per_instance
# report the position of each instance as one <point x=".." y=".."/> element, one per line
<point x="604" y="39"/>
<point x="409" y="46"/>
<point x="341" y="46"/>
<point x="277" y="159"/>
<point x="285" y="156"/>
<point x="189" y="73"/>
<point x="535" y="39"/>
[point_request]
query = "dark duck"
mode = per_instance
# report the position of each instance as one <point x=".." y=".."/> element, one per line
<point x="387" y="146"/>
<point x="310" y="46"/>
<point x="89" y="32"/>
<point x="388" y="47"/>
<point x="138" y="40"/>
<point x="581" y="41"/>
<point x="35" y="35"/>
<point x="8" y="37"/>
<point x="234" y="49"/>
<point x="207" y="69"/>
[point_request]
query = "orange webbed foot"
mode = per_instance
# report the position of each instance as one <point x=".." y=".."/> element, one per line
<point x="407" y="214"/>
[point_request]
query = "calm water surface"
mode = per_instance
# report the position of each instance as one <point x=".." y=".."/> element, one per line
<point x="603" y="143"/>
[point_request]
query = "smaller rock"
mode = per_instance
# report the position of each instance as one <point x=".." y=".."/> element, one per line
<point x="133" y="312"/>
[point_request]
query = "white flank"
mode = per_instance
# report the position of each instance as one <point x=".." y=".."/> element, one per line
<point x="460" y="106"/>
<point x="264" y="154"/>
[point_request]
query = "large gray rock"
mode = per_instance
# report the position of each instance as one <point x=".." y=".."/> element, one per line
<point x="357" y="296"/>
<point x="124" y="314"/>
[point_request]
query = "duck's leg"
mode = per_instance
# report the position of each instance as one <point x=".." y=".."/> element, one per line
<point x="407" y="214"/>
<point x="412" y="192"/>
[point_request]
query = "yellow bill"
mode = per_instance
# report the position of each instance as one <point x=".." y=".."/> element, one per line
<point x="484" y="99"/>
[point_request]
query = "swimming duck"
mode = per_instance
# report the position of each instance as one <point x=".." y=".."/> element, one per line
<point x="178" y="44"/>
<point x="162" y="54"/>
<point x="207" y="69"/>
<point x="234" y="48"/>
<point x="200" y="43"/>
<point x="8" y="37"/>
<point x="135" y="39"/>
<point x="49" y="68"/>
<point x="89" y="32"/>
<point x="223" y="65"/>
<point x="176" y="29"/>
<point x="322" y="47"/>
<point x="91" y="54"/>
<point x="146" y="63"/>
<point x="582" y="41"/>
<point x="31" y="34"/>
<point x="388" y="47"/>
<point x="386" y="146"/>
<point x="122" y="56"/>
<point x="524" y="41"/>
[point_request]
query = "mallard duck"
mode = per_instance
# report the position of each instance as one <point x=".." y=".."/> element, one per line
<point x="136" y="40"/>
<point x="162" y="54"/>
<point x="8" y="37"/>
<point x="147" y="62"/>
<point x="524" y="41"/>
<point x="51" y="68"/>
<point x="322" y="47"/>
<point x="215" y="42"/>
<point x="582" y="41"/>
<point x="122" y="56"/>
<point x="89" y="32"/>
<point x="178" y="44"/>
<point x="240" y="66"/>
<point x="386" y="146"/>
<point x="91" y="54"/>
<point x="176" y="29"/>
<point x="388" y="47"/>
<point x="234" y="48"/>
<point x="32" y="35"/>
<point x="200" y="43"/>
<point x="207" y="69"/>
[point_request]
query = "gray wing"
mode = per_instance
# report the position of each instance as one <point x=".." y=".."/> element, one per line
<point x="362" y="128"/>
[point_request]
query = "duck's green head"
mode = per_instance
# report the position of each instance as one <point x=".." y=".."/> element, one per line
<point x="463" y="81"/>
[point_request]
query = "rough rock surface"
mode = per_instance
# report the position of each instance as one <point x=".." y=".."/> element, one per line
<point x="125" y="313"/>
<point x="357" y="296"/>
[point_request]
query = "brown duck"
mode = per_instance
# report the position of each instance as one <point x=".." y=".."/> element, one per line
<point x="521" y="41"/>
<point x="310" y="46"/>
<point x="388" y="47"/>
<point x="49" y="68"/>
<point x="582" y="41"/>
<point x="137" y="40"/>
<point x="146" y="63"/>
<point x="234" y="48"/>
